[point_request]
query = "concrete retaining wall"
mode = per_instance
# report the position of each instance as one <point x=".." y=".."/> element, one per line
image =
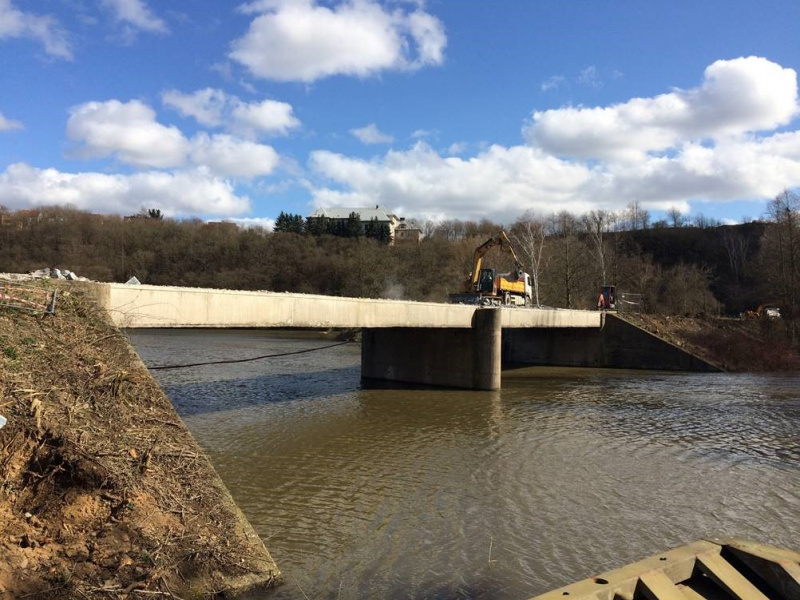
<point x="618" y="344"/>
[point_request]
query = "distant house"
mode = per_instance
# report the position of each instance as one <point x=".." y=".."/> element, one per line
<point x="367" y="215"/>
<point x="404" y="233"/>
<point x="25" y="218"/>
<point x="20" y="218"/>
<point x="227" y="226"/>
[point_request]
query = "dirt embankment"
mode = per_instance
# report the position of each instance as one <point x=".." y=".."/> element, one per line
<point x="104" y="492"/>
<point x="736" y="345"/>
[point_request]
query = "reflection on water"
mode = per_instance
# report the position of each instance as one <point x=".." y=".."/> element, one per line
<point x="449" y="494"/>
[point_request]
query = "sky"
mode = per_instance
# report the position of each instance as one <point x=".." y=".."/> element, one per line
<point x="434" y="109"/>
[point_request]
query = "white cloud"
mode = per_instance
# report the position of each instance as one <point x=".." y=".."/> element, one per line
<point x="371" y="135"/>
<point x="128" y="131"/>
<point x="589" y="77"/>
<point x="205" y="106"/>
<point x="136" y="14"/>
<point x="176" y="194"/>
<point x="9" y="124"/>
<point x="552" y="83"/>
<point x="503" y="182"/>
<point x="457" y="148"/>
<point x="268" y="117"/>
<point x="736" y="96"/>
<point x="215" y="108"/>
<point x="300" y="40"/>
<point x="248" y="222"/>
<point x="419" y="134"/>
<point x="231" y="157"/>
<point x="45" y="29"/>
<point x="428" y="33"/>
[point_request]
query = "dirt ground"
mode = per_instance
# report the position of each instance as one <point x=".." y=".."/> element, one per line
<point x="104" y="493"/>
<point x="736" y="345"/>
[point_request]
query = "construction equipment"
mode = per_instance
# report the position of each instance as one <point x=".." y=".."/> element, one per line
<point x="768" y="310"/>
<point x="486" y="287"/>
<point x="608" y="298"/>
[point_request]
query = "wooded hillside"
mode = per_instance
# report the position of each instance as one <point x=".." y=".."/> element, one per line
<point x="677" y="268"/>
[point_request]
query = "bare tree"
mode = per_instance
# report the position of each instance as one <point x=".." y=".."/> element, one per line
<point x="597" y="224"/>
<point x="782" y="248"/>
<point x="638" y="216"/>
<point x="686" y="291"/>
<point x="703" y="222"/>
<point x="529" y="233"/>
<point x="676" y="217"/>
<point x="567" y="254"/>
<point x="737" y="247"/>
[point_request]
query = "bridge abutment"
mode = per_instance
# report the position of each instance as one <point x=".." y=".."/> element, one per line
<point x="458" y="357"/>
<point x="618" y="344"/>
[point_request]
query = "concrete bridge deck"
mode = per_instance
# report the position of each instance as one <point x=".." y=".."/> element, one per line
<point x="140" y="306"/>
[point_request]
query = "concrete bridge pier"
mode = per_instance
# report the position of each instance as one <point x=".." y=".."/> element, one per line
<point x="451" y="357"/>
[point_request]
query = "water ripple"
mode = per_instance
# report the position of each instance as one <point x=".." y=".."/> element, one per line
<point x="446" y="494"/>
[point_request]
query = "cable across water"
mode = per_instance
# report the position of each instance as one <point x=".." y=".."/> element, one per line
<point x="243" y="360"/>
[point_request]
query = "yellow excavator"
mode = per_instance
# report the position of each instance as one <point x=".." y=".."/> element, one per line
<point x="768" y="310"/>
<point x="486" y="287"/>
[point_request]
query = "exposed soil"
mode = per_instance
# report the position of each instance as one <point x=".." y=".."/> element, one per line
<point x="104" y="493"/>
<point x="736" y="345"/>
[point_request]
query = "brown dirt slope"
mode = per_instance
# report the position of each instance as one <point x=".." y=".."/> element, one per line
<point x="736" y="345"/>
<point x="104" y="492"/>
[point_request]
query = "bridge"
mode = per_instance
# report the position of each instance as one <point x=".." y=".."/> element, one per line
<point x="413" y="342"/>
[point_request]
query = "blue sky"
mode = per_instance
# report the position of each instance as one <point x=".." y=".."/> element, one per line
<point x="435" y="109"/>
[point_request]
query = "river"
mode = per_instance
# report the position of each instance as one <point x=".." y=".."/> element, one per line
<point x="421" y="493"/>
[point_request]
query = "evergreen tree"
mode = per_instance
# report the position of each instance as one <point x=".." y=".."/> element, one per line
<point x="352" y="227"/>
<point x="289" y="223"/>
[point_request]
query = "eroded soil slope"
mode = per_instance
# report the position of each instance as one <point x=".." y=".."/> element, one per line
<point x="736" y="345"/>
<point x="104" y="493"/>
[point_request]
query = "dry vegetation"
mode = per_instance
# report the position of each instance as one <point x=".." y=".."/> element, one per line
<point x="104" y="492"/>
<point x="736" y="345"/>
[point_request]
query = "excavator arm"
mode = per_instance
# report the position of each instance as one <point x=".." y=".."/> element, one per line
<point x="500" y="239"/>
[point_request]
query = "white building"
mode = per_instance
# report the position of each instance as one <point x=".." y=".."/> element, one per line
<point x="381" y="215"/>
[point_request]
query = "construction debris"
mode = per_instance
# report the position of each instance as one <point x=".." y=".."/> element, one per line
<point x="60" y="274"/>
<point x="63" y="274"/>
<point x="32" y="299"/>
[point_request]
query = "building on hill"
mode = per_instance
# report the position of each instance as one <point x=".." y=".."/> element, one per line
<point x="405" y="234"/>
<point x="20" y="218"/>
<point x="377" y="215"/>
<point x="226" y="226"/>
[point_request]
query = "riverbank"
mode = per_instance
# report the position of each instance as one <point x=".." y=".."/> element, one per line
<point x="105" y="493"/>
<point x="736" y="345"/>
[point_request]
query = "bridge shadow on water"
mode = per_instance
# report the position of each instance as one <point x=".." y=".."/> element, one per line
<point x="204" y="397"/>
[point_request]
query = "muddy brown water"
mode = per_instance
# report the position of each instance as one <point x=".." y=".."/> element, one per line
<point x="385" y="493"/>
